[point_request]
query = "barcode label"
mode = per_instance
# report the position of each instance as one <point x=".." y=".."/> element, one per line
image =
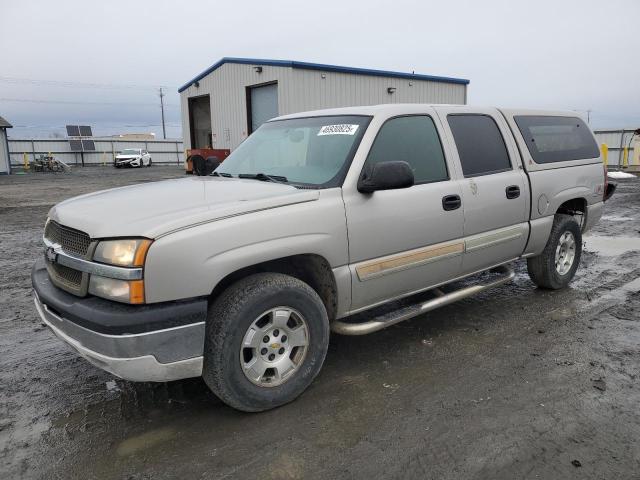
<point x="342" y="129"/>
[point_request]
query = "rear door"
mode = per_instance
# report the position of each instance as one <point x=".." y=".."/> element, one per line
<point x="404" y="240"/>
<point x="495" y="190"/>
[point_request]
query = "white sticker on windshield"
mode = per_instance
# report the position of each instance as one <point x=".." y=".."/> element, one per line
<point x="342" y="129"/>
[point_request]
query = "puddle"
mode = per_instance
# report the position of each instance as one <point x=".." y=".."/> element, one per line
<point x="611" y="246"/>
<point x="146" y="441"/>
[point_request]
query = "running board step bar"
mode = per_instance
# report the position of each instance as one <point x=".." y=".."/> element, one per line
<point x="411" y="311"/>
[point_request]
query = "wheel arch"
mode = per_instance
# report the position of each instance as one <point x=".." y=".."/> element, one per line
<point x="310" y="268"/>
<point x="572" y="206"/>
<point x="577" y="208"/>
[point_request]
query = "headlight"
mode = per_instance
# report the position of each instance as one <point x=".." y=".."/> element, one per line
<point x="127" y="291"/>
<point x="123" y="253"/>
<point x="126" y="252"/>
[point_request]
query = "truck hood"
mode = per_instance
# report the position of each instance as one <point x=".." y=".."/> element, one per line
<point x="155" y="209"/>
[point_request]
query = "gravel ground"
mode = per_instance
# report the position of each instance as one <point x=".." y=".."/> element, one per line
<point x="514" y="383"/>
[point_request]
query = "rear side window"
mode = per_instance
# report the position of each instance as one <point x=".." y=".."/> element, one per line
<point x="414" y="140"/>
<point x="480" y="145"/>
<point x="557" y="139"/>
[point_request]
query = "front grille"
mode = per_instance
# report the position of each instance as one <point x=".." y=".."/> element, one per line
<point x="65" y="276"/>
<point x="72" y="241"/>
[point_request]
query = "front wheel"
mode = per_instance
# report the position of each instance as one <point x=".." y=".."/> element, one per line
<point x="555" y="267"/>
<point x="266" y="339"/>
<point x="149" y="164"/>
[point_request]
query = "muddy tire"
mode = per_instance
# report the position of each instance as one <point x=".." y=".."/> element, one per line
<point x="266" y="340"/>
<point x="555" y="267"/>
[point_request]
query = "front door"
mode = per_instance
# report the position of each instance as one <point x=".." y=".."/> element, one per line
<point x="495" y="192"/>
<point x="405" y="240"/>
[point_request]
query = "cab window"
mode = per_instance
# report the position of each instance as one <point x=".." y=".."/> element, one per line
<point x="480" y="144"/>
<point x="411" y="139"/>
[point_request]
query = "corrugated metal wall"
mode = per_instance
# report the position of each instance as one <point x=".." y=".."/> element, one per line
<point x="616" y="140"/>
<point x="162" y="151"/>
<point x="4" y="155"/>
<point x="301" y="90"/>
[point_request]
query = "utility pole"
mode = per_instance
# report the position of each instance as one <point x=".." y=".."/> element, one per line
<point x="164" y="132"/>
<point x="588" y="116"/>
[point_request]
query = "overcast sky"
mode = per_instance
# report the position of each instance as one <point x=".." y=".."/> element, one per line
<point x="101" y="62"/>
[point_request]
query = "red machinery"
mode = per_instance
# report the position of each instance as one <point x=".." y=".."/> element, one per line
<point x="219" y="153"/>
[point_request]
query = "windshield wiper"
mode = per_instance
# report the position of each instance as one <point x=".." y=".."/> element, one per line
<point x="218" y="174"/>
<point x="264" y="177"/>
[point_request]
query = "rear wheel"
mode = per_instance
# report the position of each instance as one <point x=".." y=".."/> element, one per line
<point x="556" y="266"/>
<point x="149" y="164"/>
<point x="266" y="339"/>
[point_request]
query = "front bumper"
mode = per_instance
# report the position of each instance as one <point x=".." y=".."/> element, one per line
<point x="128" y="162"/>
<point x="163" y="350"/>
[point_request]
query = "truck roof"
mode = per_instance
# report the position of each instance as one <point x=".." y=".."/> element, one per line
<point x="402" y="108"/>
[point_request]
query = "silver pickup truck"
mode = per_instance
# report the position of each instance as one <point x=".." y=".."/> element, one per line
<point x="348" y="220"/>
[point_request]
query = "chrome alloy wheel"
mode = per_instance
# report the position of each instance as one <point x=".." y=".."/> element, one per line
<point x="274" y="347"/>
<point x="565" y="253"/>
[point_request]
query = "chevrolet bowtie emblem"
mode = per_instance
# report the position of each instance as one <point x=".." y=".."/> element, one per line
<point x="50" y="254"/>
<point x="275" y="345"/>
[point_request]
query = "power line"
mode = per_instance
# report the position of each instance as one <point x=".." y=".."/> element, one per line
<point x="70" y="102"/>
<point x="107" y="125"/>
<point x="60" y="83"/>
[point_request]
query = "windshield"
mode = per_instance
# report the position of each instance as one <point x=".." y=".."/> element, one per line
<point x="313" y="151"/>
<point x="130" y="151"/>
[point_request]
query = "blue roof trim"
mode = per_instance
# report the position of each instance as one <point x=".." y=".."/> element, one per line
<point x="322" y="67"/>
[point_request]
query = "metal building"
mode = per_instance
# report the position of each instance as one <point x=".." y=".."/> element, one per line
<point x="225" y="103"/>
<point x="5" y="163"/>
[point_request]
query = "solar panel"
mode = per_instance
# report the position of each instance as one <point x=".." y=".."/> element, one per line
<point x="75" y="145"/>
<point x="73" y="131"/>
<point x="85" y="131"/>
<point x="88" y="145"/>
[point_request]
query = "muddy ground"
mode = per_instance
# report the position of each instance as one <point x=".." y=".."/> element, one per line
<point x="515" y="383"/>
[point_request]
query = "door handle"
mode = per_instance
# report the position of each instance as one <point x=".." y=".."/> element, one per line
<point x="512" y="191"/>
<point x="451" y="202"/>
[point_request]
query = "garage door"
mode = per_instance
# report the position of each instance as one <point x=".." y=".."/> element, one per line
<point x="264" y="104"/>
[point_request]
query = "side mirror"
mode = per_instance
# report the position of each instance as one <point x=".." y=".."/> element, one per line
<point x="386" y="176"/>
